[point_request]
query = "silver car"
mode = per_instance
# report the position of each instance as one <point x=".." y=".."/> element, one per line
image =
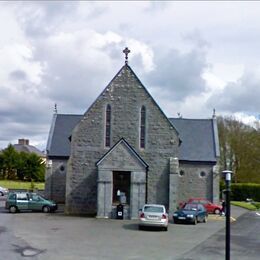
<point x="153" y="215"/>
<point x="3" y="191"/>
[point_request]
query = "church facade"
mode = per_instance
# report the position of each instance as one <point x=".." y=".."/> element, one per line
<point x="124" y="150"/>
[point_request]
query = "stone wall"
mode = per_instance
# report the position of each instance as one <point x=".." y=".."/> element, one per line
<point x="55" y="180"/>
<point x="126" y="95"/>
<point x="196" y="180"/>
<point x="121" y="158"/>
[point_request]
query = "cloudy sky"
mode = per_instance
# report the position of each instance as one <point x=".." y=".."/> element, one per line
<point x="191" y="56"/>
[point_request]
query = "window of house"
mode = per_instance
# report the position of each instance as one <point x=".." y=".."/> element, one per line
<point x="121" y="187"/>
<point x="142" y="127"/>
<point x="108" y="126"/>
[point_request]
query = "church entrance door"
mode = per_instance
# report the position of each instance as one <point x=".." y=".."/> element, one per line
<point x="121" y="187"/>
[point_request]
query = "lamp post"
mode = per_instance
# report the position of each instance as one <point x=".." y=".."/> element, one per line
<point x="227" y="174"/>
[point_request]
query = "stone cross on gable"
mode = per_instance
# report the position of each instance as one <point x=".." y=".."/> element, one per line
<point x="126" y="51"/>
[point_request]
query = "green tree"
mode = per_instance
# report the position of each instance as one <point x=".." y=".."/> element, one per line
<point x="35" y="168"/>
<point x="1" y="165"/>
<point x="239" y="149"/>
<point x="21" y="165"/>
<point x="9" y="162"/>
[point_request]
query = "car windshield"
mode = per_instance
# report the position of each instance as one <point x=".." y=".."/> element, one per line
<point x="191" y="207"/>
<point x="153" y="209"/>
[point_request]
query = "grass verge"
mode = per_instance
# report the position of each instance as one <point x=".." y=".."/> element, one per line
<point x="21" y="185"/>
<point x="246" y="205"/>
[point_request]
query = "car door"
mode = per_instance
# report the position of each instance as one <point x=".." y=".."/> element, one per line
<point x="201" y="213"/>
<point x="35" y="202"/>
<point x="22" y="201"/>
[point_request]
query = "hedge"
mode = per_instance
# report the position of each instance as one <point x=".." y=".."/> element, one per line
<point x="243" y="191"/>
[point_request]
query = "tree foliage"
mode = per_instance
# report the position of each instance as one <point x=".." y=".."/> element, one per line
<point x="21" y="165"/>
<point x="240" y="149"/>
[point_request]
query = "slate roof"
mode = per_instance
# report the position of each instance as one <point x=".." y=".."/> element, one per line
<point x="28" y="149"/>
<point x="60" y="132"/>
<point x="199" y="139"/>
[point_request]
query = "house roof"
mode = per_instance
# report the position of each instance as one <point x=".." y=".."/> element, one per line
<point x="28" y="149"/>
<point x="60" y="131"/>
<point x="199" y="139"/>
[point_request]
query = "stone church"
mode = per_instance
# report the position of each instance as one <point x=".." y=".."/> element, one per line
<point x="124" y="149"/>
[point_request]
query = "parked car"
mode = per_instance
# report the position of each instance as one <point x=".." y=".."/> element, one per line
<point x="153" y="215"/>
<point x="18" y="201"/>
<point x="3" y="191"/>
<point x="209" y="206"/>
<point x="191" y="213"/>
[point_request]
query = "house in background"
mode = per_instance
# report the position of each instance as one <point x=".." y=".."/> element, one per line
<point x="124" y="149"/>
<point x="23" y="145"/>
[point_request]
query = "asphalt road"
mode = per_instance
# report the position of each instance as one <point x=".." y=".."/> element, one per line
<point x="56" y="236"/>
<point x="245" y="241"/>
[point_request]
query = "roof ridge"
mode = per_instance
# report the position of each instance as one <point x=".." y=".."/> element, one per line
<point x="69" y="114"/>
<point x="195" y="119"/>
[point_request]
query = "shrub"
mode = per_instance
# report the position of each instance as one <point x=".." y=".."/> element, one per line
<point x="243" y="191"/>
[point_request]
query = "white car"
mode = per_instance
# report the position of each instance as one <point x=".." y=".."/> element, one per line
<point x="153" y="215"/>
<point x="3" y="191"/>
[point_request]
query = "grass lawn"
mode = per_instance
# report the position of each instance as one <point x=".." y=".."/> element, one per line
<point x="246" y="205"/>
<point x="21" y="184"/>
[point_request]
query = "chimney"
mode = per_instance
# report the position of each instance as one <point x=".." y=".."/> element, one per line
<point x="23" y="141"/>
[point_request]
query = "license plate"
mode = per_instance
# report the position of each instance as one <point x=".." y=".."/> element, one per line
<point x="153" y="217"/>
<point x="181" y="218"/>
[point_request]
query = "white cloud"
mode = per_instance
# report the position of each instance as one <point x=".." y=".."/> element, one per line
<point x="67" y="52"/>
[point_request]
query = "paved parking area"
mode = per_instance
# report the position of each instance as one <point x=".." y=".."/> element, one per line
<point x="57" y="236"/>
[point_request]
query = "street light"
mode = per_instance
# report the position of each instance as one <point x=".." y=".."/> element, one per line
<point x="227" y="175"/>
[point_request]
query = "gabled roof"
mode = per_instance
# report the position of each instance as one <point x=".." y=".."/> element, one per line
<point x="121" y="71"/>
<point x="130" y="149"/>
<point x="28" y="149"/>
<point x="199" y="139"/>
<point x="61" y="129"/>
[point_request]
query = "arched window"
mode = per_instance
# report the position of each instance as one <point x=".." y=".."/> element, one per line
<point x="142" y="127"/>
<point x="108" y="126"/>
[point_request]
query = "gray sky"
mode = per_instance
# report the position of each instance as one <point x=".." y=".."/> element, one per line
<point x="191" y="56"/>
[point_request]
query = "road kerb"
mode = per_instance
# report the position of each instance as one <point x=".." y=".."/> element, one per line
<point x="220" y="218"/>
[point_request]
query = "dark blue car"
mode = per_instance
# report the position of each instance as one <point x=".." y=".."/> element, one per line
<point x="191" y="213"/>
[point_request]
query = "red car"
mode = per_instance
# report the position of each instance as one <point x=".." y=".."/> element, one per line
<point x="209" y="206"/>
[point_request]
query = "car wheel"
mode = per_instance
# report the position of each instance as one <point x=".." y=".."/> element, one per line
<point x="195" y="221"/>
<point x="165" y="228"/>
<point x="13" y="209"/>
<point x="1" y="193"/>
<point x="140" y="227"/>
<point x="46" y="209"/>
<point x="216" y="211"/>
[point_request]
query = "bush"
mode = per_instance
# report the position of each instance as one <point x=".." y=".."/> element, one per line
<point x="243" y="191"/>
<point x="256" y="204"/>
